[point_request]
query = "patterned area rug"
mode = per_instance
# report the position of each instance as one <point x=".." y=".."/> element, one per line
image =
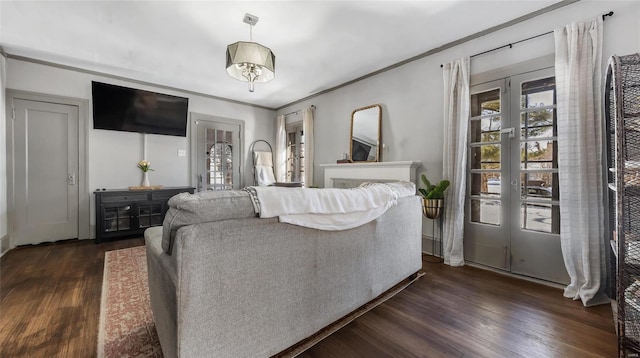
<point x="127" y="328"/>
<point x="126" y="322"/>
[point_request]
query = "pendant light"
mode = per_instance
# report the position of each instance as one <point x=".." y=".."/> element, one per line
<point x="250" y="61"/>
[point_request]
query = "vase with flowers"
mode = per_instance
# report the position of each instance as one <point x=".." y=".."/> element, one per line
<point x="145" y="166"/>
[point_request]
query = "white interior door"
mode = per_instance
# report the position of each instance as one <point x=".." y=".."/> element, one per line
<point x="512" y="214"/>
<point x="45" y="171"/>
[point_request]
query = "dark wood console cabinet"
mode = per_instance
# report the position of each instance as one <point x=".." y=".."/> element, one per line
<point x="123" y="213"/>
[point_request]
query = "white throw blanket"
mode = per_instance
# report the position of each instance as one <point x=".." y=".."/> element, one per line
<point x="329" y="209"/>
<point x="264" y="175"/>
<point x="263" y="162"/>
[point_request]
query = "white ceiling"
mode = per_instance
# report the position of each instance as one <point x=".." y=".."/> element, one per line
<point x="318" y="44"/>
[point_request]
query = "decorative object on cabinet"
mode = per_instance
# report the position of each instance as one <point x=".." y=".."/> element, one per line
<point x="622" y="101"/>
<point x="145" y="166"/>
<point x="365" y="134"/>
<point x="122" y="213"/>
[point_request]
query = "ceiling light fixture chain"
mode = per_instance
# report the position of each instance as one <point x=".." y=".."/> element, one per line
<point x="250" y="61"/>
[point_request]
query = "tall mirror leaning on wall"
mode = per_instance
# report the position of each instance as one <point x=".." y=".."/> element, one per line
<point x="365" y="134"/>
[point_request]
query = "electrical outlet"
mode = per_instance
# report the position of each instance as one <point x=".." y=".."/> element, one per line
<point x="182" y="153"/>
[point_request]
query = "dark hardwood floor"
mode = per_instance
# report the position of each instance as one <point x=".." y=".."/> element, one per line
<point x="50" y="298"/>
<point x="50" y="306"/>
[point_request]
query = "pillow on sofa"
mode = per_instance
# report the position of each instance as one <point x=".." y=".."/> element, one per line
<point x="186" y="209"/>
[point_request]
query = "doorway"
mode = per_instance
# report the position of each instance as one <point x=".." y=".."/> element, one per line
<point x="512" y="219"/>
<point x="216" y="152"/>
<point x="46" y="166"/>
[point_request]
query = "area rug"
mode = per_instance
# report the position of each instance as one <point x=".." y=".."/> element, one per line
<point x="126" y="322"/>
<point x="127" y="328"/>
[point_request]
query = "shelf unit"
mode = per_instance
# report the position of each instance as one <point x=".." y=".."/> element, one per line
<point x="123" y="213"/>
<point x="622" y="101"/>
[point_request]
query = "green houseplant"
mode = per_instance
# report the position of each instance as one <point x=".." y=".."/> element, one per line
<point x="432" y="197"/>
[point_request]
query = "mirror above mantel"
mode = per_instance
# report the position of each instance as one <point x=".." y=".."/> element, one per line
<point x="365" y="134"/>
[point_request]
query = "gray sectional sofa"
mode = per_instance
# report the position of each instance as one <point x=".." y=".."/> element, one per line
<point x="225" y="283"/>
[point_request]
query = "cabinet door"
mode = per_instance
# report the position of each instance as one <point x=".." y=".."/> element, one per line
<point x="117" y="217"/>
<point x="149" y="214"/>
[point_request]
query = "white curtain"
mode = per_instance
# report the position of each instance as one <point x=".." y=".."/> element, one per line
<point x="578" y="83"/>
<point x="280" y="165"/>
<point x="3" y="144"/>
<point x="307" y="128"/>
<point x="454" y="158"/>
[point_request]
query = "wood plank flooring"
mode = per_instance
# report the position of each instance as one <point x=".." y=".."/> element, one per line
<point x="50" y="298"/>
<point x="50" y="306"/>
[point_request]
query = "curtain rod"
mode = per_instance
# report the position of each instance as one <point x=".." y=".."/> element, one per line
<point x="510" y="45"/>
<point x="298" y="111"/>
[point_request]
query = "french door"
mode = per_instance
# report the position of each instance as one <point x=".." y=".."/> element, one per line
<point x="512" y="218"/>
<point x="217" y="155"/>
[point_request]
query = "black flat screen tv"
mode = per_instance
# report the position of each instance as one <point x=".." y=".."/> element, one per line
<point x="133" y="110"/>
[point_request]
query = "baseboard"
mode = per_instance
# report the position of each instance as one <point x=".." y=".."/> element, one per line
<point x="428" y="245"/>
<point x="521" y="277"/>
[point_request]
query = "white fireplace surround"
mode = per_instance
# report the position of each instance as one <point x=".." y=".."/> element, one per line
<point x="350" y="175"/>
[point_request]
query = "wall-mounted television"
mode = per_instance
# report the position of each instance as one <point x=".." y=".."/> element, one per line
<point x="133" y="110"/>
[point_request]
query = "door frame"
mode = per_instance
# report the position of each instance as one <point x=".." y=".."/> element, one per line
<point x="83" y="157"/>
<point x="193" y="138"/>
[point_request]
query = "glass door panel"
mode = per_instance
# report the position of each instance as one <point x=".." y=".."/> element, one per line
<point x="220" y="159"/>
<point x="117" y="218"/>
<point x="149" y="215"/>
<point x="295" y="153"/>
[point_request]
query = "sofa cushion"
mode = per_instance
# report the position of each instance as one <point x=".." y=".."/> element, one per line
<point x="187" y="209"/>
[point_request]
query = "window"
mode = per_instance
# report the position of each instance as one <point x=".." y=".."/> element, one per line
<point x="538" y="157"/>
<point x="295" y="152"/>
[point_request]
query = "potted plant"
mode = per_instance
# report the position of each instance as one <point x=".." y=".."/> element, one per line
<point x="432" y="197"/>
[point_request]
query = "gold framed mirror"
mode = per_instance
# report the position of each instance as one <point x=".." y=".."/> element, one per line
<point x="364" y="143"/>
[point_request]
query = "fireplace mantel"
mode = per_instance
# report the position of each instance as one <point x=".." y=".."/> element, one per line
<point x="349" y="175"/>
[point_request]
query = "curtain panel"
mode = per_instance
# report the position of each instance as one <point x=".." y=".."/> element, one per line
<point x="307" y="128"/>
<point x="580" y="144"/>
<point x="454" y="158"/>
<point x="3" y="144"/>
<point x="280" y="164"/>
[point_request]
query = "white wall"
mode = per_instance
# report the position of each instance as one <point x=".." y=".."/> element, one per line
<point x="113" y="155"/>
<point x="411" y="95"/>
